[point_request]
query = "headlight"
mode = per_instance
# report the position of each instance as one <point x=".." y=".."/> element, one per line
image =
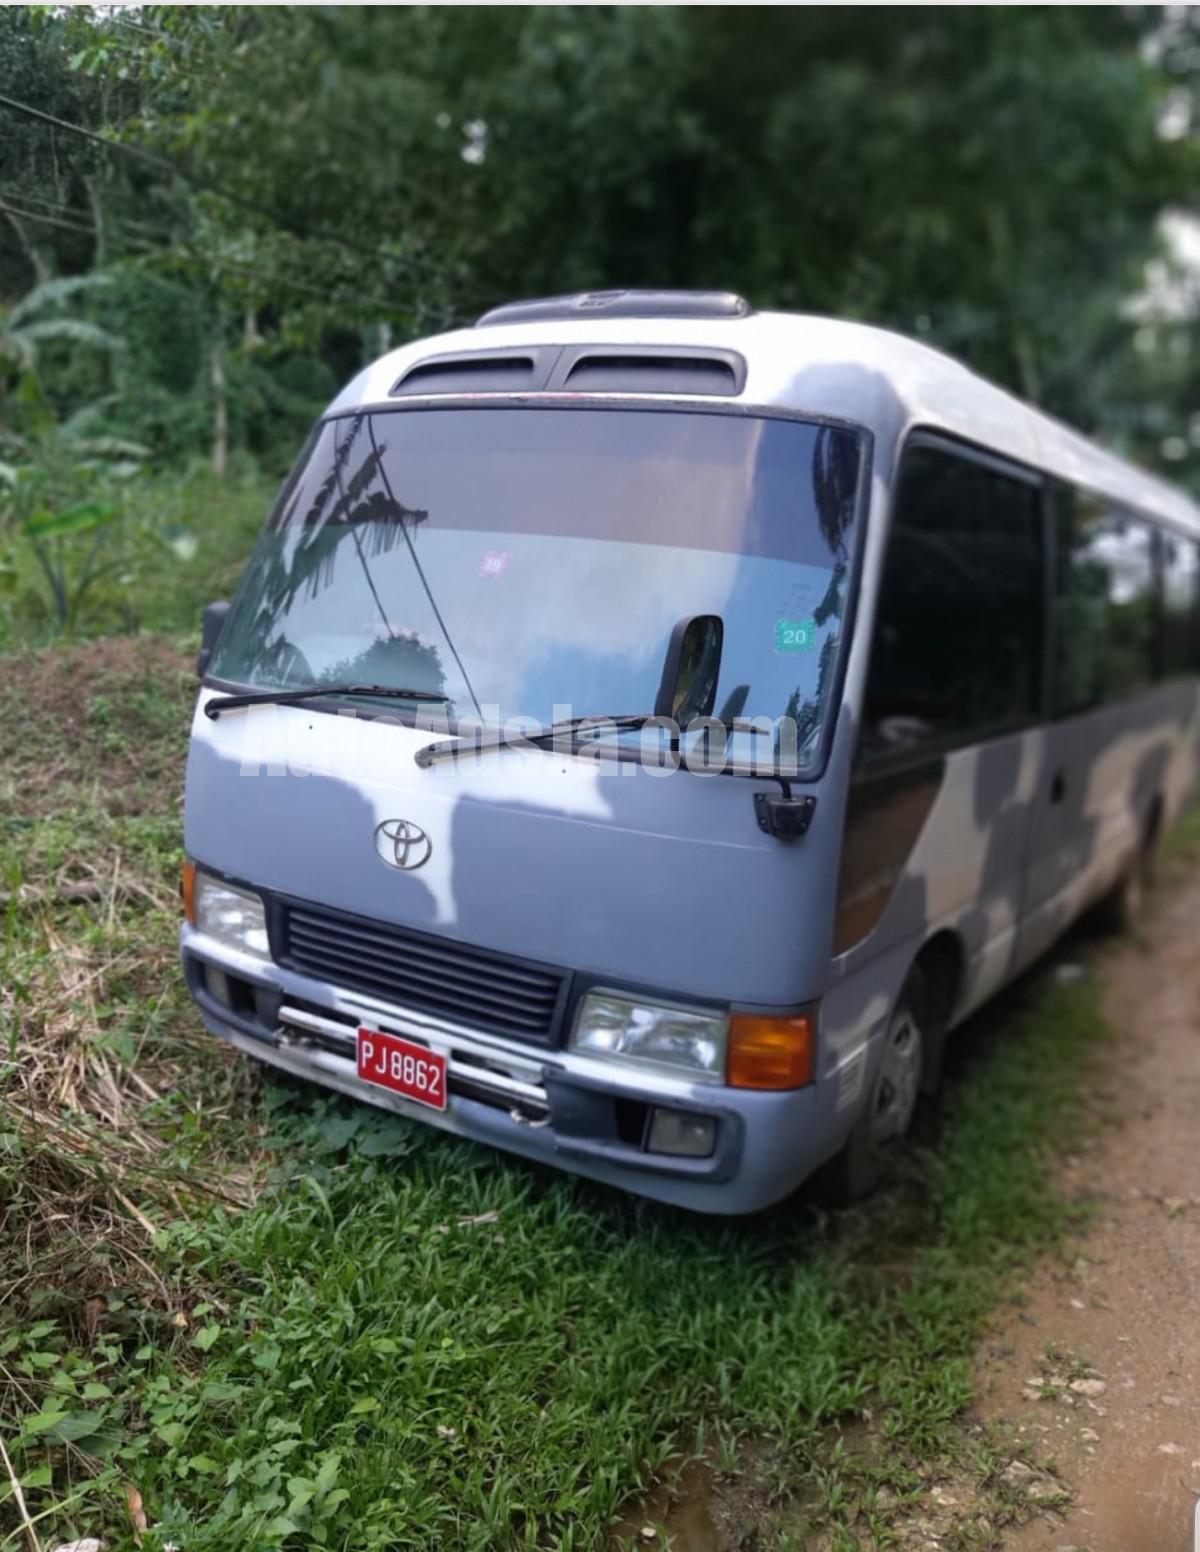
<point x="234" y="917"/>
<point x="687" y="1041"/>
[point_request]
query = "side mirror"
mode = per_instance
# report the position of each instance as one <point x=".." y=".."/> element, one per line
<point x="215" y="616"/>
<point x="691" y="669"/>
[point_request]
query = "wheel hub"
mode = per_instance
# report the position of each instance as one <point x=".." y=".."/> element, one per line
<point x="899" y="1078"/>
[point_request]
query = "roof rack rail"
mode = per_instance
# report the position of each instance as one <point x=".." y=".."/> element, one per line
<point x="621" y="304"/>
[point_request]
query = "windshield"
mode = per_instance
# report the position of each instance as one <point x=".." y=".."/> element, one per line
<point x="532" y="562"/>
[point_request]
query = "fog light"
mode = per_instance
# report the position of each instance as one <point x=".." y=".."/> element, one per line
<point x="218" y="985"/>
<point x="683" y="1133"/>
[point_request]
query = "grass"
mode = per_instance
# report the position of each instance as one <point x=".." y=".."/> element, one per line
<point x="248" y="1318"/>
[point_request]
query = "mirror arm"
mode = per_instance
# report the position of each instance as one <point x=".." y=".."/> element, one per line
<point x="785" y="818"/>
<point x="664" y="701"/>
<point x="215" y="615"/>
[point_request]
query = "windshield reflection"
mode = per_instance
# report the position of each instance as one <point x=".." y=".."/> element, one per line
<point x="532" y="563"/>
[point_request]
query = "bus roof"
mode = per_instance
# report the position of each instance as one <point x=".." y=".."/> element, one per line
<point x="802" y="365"/>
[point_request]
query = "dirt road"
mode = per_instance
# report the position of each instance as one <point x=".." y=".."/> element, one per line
<point x="1100" y="1370"/>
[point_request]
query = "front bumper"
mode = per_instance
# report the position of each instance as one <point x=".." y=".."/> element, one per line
<point x="576" y="1112"/>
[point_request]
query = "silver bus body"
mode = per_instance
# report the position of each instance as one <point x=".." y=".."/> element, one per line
<point x="482" y="907"/>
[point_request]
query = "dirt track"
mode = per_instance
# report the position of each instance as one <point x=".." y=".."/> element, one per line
<point x="1100" y="1369"/>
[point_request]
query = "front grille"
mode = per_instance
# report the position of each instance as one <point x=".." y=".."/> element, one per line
<point x="415" y="970"/>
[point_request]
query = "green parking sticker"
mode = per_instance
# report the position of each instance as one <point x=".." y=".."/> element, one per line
<point x="795" y="635"/>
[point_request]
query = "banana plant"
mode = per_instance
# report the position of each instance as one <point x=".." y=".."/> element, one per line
<point x="46" y="531"/>
<point x="61" y="500"/>
<point x="24" y="327"/>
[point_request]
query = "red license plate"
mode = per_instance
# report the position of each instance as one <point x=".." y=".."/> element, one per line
<point x="402" y="1066"/>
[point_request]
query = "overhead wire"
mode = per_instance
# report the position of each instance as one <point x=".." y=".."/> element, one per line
<point x="181" y="248"/>
<point x="34" y="215"/>
<point x="207" y="185"/>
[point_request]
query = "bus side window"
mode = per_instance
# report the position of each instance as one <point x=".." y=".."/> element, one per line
<point x="957" y="650"/>
<point x="1106" y="604"/>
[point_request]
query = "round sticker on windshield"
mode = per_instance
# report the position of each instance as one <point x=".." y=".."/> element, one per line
<point x="795" y="635"/>
<point x="494" y="563"/>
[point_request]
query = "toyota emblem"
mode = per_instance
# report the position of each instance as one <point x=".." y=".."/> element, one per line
<point x="402" y="844"/>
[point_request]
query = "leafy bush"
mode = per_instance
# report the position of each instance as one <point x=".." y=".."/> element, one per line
<point x="91" y="544"/>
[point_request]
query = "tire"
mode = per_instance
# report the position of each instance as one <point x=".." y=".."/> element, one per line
<point x="878" y="1137"/>
<point x="1123" y="907"/>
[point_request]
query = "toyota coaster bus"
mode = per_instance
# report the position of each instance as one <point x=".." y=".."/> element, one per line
<point x="647" y="727"/>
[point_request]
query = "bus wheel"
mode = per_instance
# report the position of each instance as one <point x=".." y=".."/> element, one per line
<point x="1122" y="908"/>
<point x="891" y="1104"/>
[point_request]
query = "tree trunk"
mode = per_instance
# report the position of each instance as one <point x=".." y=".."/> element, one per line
<point x="93" y="191"/>
<point x="220" y="448"/>
<point x="41" y="270"/>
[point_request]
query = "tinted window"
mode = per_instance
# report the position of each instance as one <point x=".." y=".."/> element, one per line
<point x="1106" y="605"/>
<point x="1181" y="603"/>
<point x="957" y="651"/>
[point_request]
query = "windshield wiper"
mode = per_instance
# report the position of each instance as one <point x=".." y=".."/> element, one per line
<point x="786" y="817"/>
<point x="448" y="748"/>
<point x="538" y="738"/>
<point x="221" y="703"/>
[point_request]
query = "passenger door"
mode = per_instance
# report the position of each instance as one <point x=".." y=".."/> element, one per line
<point x="939" y="806"/>
<point x="1106" y="643"/>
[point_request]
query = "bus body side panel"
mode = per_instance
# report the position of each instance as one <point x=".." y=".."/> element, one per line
<point x="977" y="844"/>
<point x="1108" y="775"/>
<point x="938" y="848"/>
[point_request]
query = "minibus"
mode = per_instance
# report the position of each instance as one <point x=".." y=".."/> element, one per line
<point x="647" y="727"/>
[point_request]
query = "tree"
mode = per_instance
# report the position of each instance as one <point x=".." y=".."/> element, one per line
<point x="988" y="178"/>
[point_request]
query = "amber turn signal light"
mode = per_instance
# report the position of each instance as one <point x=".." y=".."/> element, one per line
<point x="770" y="1053"/>
<point x="188" y="891"/>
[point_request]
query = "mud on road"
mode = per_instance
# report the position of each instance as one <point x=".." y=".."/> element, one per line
<point x="1099" y="1370"/>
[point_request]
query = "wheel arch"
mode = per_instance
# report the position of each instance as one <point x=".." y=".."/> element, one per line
<point x="941" y="965"/>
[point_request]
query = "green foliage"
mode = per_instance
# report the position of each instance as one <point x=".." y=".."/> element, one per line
<point x="46" y="529"/>
<point x="92" y="546"/>
<point x="59" y="503"/>
<point x="988" y="178"/>
<point x="35" y="167"/>
<point x="25" y="331"/>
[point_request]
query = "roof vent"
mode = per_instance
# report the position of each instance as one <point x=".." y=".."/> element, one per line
<point x="673" y="372"/>
<point x="621" y="304"/>
<point x="477" y="372"/>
